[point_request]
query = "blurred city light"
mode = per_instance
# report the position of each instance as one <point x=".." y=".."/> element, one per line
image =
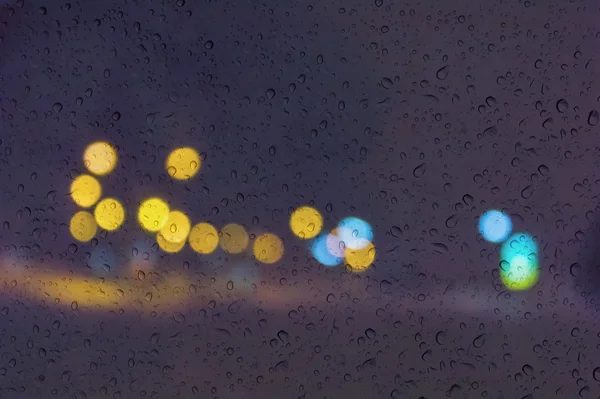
<point x="153" y="214"/>
<point x="204" y="238"/>
<point x="85" y="191"/>
<point x="183" y="163"/>
<point x="83" y="226"/>
<point x="100" y="158"/>
<point x="109" y="214"/>
<point x="519" y="264"/>
<point x="268" y="248"/>
<point x="233" y="238"/>
<point x="494" y="226"/>
<point x="355" y="232"/>
<point x="306" y="222"/>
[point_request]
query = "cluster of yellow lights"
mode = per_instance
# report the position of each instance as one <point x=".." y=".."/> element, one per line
<point x="99" y="158"/>
<point x="306" y="223"/>
<point x="174" y="229"/>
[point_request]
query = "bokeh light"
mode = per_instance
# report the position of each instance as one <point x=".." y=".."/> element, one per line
<point x="520" y="274"/>
<point x="306" y="222"/>
<point x="355" y="232"/>
<point x="233" y="238"/>
<point x="109" y="214"/>
<point x="335" y="245"/>
<point x="153" y="214"/>
<point x="83" y="226"/>
<point x="177" y="228"/>
<point x="168" y="246"/>
<point x="360" y="259"/>
<point x="320" y="251"/>
<point x="204" y="238"/>
<point x="85" y="191"/>
<point x="519" y="264"/>
<point x="268" y="248"/>
<point x="183" y="163"/>
<point x="100" y="158"/>
<point x="495" y="226"/>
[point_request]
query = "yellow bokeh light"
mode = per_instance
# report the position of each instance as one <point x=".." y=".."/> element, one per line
<point x="83" y="226"/>
<point x="153" y="214"/>
<point x="268" y="248"/>
<point x="233" y="238"/>
<point x="306" y="222"/>
<point x="360" y="259"/>
<point x="183" y="163"/>
<point x="109" y="214"/>
<point x="204" y="238"/>
<point x="100" y="158"/>
<point x="85" y="191"/>
<point x="168" y="246"/>
<point x="177" y="228"/>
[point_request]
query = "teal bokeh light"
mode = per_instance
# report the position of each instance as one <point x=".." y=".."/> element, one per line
<point x="519" y="263"/>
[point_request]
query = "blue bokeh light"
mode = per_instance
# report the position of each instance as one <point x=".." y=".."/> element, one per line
<point x="494" y="226"/>
<point x="321" y="253"/>
<point x="355" y="232"/>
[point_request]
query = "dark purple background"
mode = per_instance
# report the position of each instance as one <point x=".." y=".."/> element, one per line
<point x="418" y="115"/>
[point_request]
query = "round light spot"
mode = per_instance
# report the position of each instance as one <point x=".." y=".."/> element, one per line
<point x="355" y="232"/>
<point x="167" y="246"/>
<point x="268" y="248"/>
<point x="306" y="222"/>
<point x="183" y="163"/>
<point x="360" y="259"/>
<point x="494" y="226"/>
<point x="519" y="264"/>
<point x="85" y="191"/>
<point x="233" y="238"/>
<point x="177" y="228"/>
<point x="321" y="253"/>
<point x="109" y="214"/>
<point x="204" y="238"/>
<point x="334" y="244"/>
<point x="520" y="274"/>
<point x="100" y="158"/>
<point x="83" y="226"/>
<point x="153" y="214"/>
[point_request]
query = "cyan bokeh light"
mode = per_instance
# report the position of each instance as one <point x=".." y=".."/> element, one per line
<point x="322" y="254"/>
<point x="519" y="264"/>
<point x="354" y="232"/>
<point x="494" y="226"/>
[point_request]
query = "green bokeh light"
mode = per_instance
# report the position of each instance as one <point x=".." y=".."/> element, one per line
<point x="519" y="265"/>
